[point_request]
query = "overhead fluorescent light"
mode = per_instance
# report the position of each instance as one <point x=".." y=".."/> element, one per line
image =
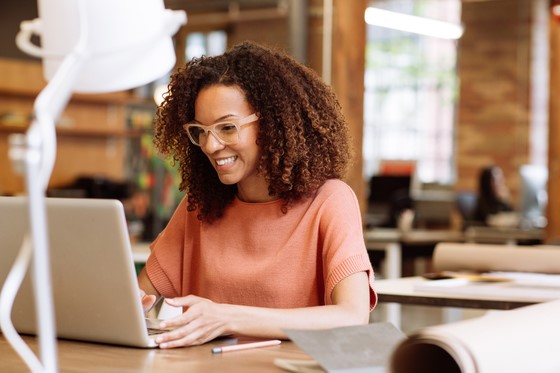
<point x="414" y="24"/>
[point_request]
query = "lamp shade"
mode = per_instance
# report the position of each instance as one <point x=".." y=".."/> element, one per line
<point x="127" y="42"/>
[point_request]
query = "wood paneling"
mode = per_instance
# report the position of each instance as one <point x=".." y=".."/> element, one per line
<point x="553" y="208"/>
<point x="92" y="129"/>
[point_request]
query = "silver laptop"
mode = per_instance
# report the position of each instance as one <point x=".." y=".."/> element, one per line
<point x="96" y="295"/>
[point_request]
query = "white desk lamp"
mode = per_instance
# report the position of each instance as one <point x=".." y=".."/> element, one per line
<point x="87" y="46"/>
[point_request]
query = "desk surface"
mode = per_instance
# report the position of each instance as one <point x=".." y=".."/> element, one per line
<point x="420" y="236"/>
<point x="80" y="356"/>
<point x="473" y="234"/>
<point x="402" y="291"/>
<point x="504" y="234"/>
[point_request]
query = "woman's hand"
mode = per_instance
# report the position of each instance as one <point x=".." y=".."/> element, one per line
<point x="203" y="321"/>
<point x="148" y="301"/>
<point x="148" y="294"/>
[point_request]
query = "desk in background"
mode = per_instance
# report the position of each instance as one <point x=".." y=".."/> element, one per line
<point x="140" y="254"/>
<point x="504" y="235"/>
<point x="81" y="356"/>
<point x="392" y="241"/>
<point x="402" y="291"/>
<point x="397" y="292"/>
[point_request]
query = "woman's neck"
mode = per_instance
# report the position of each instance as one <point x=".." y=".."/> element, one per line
<point x="254" y="192"/>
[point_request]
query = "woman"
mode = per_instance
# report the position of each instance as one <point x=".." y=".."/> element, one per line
<point x="267" y="237"/>
<point x="493" y="194"/>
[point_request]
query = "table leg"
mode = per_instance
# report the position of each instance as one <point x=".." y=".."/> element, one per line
<point x="391" y="270"/>
<point x="393" y="261"/>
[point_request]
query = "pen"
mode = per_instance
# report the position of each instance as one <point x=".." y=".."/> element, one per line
<point x="246" y="346"/>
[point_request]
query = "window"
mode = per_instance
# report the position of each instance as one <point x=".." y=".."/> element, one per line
<point x="205" y="43"/>
<point x="410" y="93"/>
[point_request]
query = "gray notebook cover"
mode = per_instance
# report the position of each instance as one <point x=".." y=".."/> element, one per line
<point x="361" y="348"/>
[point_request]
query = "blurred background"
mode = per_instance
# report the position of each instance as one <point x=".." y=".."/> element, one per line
<point x="427" y="112"/>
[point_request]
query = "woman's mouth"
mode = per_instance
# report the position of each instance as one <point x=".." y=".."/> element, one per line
<point x="226" y="161"/>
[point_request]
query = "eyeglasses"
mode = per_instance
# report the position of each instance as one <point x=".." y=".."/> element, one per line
<point x="227" y="133"/>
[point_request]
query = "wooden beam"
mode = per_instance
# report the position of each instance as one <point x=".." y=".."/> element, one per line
<point x="348" y="64"/>
<point x="553" y="206"/>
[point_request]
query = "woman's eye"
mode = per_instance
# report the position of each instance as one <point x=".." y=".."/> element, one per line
<point x="228" y="127"/>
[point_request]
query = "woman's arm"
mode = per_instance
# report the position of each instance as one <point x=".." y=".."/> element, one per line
<point x="205" y="320"/>
<point x="350" y="307"/>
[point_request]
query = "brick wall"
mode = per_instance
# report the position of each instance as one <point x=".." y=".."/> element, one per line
<point x="495" y="79"/>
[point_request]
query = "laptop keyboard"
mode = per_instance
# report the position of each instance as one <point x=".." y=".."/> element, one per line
<point x="153" y="327"/>
<point x="154" y="331"/>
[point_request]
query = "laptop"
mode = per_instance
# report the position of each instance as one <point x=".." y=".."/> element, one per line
<point x="96" y="296"/>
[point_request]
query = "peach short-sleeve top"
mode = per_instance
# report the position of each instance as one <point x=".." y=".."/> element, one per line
<point x="256" y="255"/>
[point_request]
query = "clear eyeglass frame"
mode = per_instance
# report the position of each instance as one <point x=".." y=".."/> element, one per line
<point x="227" y="132"/>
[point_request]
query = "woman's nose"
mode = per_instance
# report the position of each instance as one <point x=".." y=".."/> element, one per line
<point x="212" y="144"/>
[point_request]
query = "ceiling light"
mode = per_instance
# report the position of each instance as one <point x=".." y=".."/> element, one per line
<point x="414" y="24"/>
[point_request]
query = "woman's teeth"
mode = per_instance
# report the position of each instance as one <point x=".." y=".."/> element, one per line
<point x="223" y="162"/>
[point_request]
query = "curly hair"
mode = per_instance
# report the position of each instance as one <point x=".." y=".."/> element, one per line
<point x="303" y="136"/>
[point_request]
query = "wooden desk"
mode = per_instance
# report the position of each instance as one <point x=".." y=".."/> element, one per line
<point x="402" y="291"/>
<point x="90" y="357"/>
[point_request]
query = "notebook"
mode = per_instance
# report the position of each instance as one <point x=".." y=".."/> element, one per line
<point x="95" y="290"/>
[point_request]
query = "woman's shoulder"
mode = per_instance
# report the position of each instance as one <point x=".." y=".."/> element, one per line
<point x="335" y="190"/>
<point x="337" y="201"/>
<point x="335" y="186"/>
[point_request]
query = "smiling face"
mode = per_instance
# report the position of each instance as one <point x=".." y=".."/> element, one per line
<point x="235" y="163"/>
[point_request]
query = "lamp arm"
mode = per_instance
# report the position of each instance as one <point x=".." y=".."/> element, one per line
<point x="48" y="107"/>
<point x="41" y="156"/>
<point x="7" y="297"/>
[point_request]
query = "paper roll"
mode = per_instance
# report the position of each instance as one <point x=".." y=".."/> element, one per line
<point x="517" y="341"/>
<point x="485" y="258"/>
